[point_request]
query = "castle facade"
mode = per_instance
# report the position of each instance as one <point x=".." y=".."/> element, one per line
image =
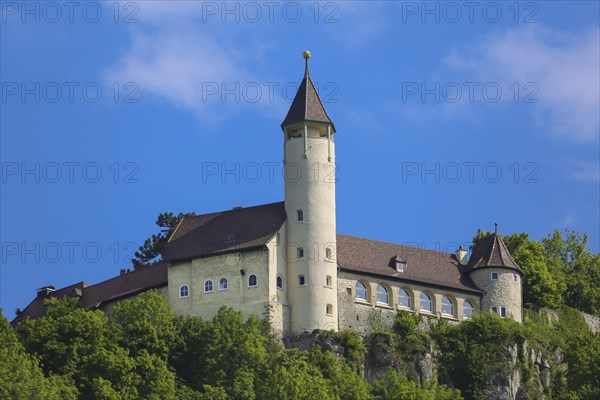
<point x="286" y="262"/>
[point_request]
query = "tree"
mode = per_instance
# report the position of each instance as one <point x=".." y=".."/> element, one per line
<point x="473" y="351"/>
<point x="80" y="345"/>
<point x="21" y="377"/>
<point x="292" y="377"/>
<point x="542" y="287"/>
<point x="581" y="269"/>
<point x="145" y="323"/>
<point x="394" y="386"/>
<point x="150" y="252"/>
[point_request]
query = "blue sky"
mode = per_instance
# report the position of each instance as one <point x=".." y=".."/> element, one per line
<point x="449" y="117"/>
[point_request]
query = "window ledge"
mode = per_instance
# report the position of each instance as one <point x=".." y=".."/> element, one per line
<point x="448" y="316"/>
<point x="328" y="287"/>
<point x="383" y="305"/>
<point x="363" y="302"/>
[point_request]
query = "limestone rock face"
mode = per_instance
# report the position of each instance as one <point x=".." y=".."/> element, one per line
<point x="526" y="374"/>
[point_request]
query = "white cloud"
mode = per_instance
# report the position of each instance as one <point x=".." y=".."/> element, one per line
<point x="564" y="68"/>
<point x="195" y="66"/>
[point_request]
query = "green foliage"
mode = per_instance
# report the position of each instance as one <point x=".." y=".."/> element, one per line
<point x="292" y="377"/>
<point x="580" y="268"/>
<point x="81" y="345"/>
<point x="143" y="351"/>
<point x="20" y="374"/>
<point x="149" y="253"/>
<point x="394" y="386"/>
<point x="145" y="323"/>
<point x="541" y="287"/>
<point x="411" y="339"/>
<point x="473" y="351"/>
<point x="583" y="357"/>
<point x="354" y="347"/>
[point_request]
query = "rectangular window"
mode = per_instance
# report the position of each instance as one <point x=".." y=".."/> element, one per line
<point x="495" y="276"/>
<point x="329" y="309"/>
<point x="300" y="253"/>
<point x="300" y="215"/>
<point x="495" y="309"/>
<point x="328" y="281"/>
<point x="301" y="280"/>
<point x="503" y="312"/>
<point x="400" y="266"/>
<point x="515" y="278"/>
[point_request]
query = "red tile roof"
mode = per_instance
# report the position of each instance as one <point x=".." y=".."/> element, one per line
<point x="427" y="267"/>
<point x="490" y="251"/>
<point x="307" y="105"/>
<point x="97" y="295"/>
<point x="233" y="230"/>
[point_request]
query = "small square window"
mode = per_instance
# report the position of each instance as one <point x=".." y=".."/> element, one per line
<point x="328" y="281"/>
<point x="515" y="278"/>
<point x="503" y="312"/>
<point x="300" y="252"/>
<point x="300" y="214"/>
<point x="495" y="309"/>
<point x="329" y="309"/>
<point x="328" y="253"/>
<point x="495" y="276"/>
<point x="301" y="280"/>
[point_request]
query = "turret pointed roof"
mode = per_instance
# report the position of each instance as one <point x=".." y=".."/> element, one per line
<point x="491" y="252"/>
<point x="307" y="105"/>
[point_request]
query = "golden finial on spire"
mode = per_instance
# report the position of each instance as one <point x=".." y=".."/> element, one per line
<point x="306" y="54"/>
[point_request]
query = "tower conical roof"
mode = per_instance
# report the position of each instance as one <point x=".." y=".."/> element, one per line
<point x="307" y="105"/>
<point x="490" y="251"/>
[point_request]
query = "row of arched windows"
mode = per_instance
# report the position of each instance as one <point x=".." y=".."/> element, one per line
<point x="426" y="303"/>
<point x="209" y="286"/>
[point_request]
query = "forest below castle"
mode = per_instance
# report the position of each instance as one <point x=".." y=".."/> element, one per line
<point x="142" y="350"/>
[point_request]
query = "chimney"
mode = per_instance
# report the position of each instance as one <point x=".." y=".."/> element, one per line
<point x="461" y="256"/>
<point x="45" y="291"/>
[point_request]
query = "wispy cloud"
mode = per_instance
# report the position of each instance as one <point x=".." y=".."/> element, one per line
<point x="584" y="171"/>
<point x="202" y="67"/>
<point x="563" y="66"/>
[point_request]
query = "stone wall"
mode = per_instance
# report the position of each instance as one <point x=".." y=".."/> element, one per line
<point x="502" y="292"/>
<point x="356" y="314"/>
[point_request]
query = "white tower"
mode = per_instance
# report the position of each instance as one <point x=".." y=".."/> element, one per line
<point x="309" y="162"/>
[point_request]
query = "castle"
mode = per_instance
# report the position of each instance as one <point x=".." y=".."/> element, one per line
<point x="286" y="262"/>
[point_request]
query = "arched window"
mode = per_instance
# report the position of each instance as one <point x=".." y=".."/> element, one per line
<point x="208" y="286"/>
<point x="426" y="304"/>
<point x="361" y="291"/>
<point x="468" y="309"/>
<point x="223" y="284"/>
<point x="383" y="296"/>
<point x="279" y="282"/>
<point x="252" y="281"/>
<point x="403" y="298"/>
<point x="447" y="306"/>
<point x="184" y="291"/>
